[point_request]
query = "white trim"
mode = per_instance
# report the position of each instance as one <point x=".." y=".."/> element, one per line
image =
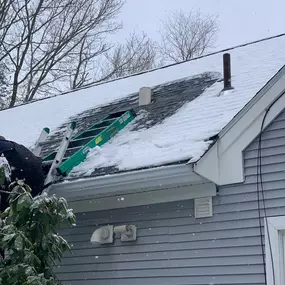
<point x="274" y="257"/>
<point x="98" y="203"/>
<point x="133" y="181"/>
<point x="149" y="186"/>
<point x="223" y="163"/>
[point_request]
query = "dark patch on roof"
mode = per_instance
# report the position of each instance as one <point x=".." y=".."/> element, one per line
<point x="166" y="100"/>
<point x="114" y="170"/>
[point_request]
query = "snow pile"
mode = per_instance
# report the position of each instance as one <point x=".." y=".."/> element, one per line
<point x="182" y="136"/>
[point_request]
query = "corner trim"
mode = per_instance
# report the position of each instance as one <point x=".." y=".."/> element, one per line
<point x="273" y="228"/>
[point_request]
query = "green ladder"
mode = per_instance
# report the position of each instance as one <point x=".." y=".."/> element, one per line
<point x="96" y="135"/>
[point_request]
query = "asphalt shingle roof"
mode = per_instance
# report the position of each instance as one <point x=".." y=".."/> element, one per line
<point x="188" y="110"/>
<point x="166" y="100"/>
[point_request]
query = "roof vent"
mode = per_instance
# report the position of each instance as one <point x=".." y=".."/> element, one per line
<point x="144" y="96"/>
<point x="227" y="71"/>
<point x="203" y="207"/>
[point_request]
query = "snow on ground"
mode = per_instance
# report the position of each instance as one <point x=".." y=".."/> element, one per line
<point x="182" y="136"/>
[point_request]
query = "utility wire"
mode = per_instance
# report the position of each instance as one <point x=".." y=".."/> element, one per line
<point x="259" y="174"/>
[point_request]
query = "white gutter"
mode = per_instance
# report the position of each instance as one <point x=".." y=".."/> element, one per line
<point x="129" y="182"/>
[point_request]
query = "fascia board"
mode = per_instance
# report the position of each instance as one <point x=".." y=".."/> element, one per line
<point x="116" y="201"/>
<point x="135" y="181"/>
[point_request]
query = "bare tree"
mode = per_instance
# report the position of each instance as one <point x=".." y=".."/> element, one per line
<point x="6" y="18"/>
<point x="139" y="53"/>
<point x="44" y="42"/>
<point x="84" y="65"/>
<point x="4" y="95"/>
<point x="49" y="46"/>
<point x="187" y="35"/>
<point x="4" y="8"/>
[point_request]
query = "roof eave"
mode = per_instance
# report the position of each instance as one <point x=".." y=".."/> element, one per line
<point x="136" y="181"/>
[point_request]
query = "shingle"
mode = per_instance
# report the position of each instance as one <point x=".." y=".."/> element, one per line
<point x="167" y="99"/>
<point x="188" y="111"/>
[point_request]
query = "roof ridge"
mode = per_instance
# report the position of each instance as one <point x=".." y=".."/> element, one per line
<point x="150" y="70"/>
<point x="173" y="64"/>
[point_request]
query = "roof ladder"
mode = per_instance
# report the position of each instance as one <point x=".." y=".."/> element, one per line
<point x="80" y="145"/>
<point x="38" y="146"/>
<point x="60" y="154"/>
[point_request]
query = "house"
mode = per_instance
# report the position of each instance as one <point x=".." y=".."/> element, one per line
<point x="191" y="191"/>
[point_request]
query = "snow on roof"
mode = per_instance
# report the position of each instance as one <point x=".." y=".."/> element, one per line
<point x="184" y="135"/>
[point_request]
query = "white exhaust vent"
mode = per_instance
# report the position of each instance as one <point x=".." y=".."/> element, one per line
<point x="203" y="207"/>
<point x="103" y="235"/>
<point x="144" y="96"/>
<point x="127" y="232"/>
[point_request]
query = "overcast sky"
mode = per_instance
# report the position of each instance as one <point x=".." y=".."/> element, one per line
<point x="240" y="21"/>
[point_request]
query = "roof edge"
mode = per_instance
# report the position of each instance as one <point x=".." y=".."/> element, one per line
<point x="262" y="92"/>
<point x="147" y="71"/>
<point x="176" y="63"/>
<point x="242" y="130"/>
<point x="136" y="181"/>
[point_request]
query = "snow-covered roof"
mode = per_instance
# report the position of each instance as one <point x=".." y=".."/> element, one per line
<point x="183" y="135"/>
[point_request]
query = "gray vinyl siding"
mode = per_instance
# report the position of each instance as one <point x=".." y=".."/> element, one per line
<point x="175" y="248"/>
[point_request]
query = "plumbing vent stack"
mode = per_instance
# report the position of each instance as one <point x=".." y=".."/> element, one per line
<point x="227" y="71"/>
<point x="144" y="96"/>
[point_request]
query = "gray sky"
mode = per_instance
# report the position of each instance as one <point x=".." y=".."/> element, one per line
<point x="240" y="21"/>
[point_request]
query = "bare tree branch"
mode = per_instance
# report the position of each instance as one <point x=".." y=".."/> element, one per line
<point x="139" y="53"/>
<point x="83" y="70"/>
<point x="46" y="42"/>
<point x="49" y="46"/>
<point x="187" y="35"/>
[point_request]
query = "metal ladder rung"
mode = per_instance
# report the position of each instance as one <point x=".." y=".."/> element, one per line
<point x="52" y="174"/>
<point x="103" y="123"/>
<point x="79" y="142"/>
<point x="90" y="133"/>
<point x="101" y="138"/>
<point x="72" y="144"/>
<point x="49" y="162"/>
<point x="115" y="115"/>
<point x="71" y="151"/>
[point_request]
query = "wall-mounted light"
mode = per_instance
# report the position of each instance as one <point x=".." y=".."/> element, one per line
<point x="105" y="234"/>
<point x="128" y="232"/>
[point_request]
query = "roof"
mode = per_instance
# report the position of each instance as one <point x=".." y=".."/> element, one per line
<point x="167" y="99"/>
<point x="188" y="111"/>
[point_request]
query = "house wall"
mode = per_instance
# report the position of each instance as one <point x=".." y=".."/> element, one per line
<point x="175" y="248"/>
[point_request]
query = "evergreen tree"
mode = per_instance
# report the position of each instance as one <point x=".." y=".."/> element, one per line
<point x="28" y="235"/>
